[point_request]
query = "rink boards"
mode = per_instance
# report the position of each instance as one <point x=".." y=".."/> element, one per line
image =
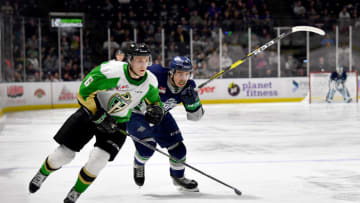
<point x="41" y="95"/>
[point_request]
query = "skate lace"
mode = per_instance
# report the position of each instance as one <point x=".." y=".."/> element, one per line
<point x="140" y="171"/>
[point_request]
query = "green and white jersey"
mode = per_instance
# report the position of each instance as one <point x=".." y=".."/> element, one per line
<point x="112" y="84"/>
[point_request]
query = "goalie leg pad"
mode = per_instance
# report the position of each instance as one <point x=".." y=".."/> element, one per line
<point x="61" y="156"/>
<point x="345" y="93"/>
<point x="178" y="151"/>
<point x="143" y="153"/>
<point x="330" y="95"/>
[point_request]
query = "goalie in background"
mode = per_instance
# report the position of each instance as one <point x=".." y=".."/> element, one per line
<point x="337" y="82"/>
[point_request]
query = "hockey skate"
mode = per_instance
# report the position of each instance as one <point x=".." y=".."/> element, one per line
<point x="72" y="196"/>
<point x="139" y="174"/>
<point x="36" y="182"/>
<point x="185" y="184"/>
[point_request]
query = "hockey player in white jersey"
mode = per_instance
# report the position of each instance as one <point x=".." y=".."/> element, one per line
<point x="337" y="83"/>
<point x="107" y="97"/>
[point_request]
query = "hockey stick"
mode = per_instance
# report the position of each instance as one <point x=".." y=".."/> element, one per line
<point x="262" y="48"/>
<point x="238" y="192"/>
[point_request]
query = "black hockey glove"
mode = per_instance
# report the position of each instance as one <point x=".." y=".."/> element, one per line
<point x="189" y="95"/>
<point x="154" y="114"/>
<point x="104" y="122"/>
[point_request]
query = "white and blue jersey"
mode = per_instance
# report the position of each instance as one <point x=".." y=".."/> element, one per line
<point x="167" y="132"/>
<point x="168" y="98"/>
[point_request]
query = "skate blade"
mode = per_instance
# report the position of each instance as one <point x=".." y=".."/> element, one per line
<point x="182" y="189"/>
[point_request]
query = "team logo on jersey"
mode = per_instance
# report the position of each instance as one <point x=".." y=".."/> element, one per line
<point x="233" y="89"/>
<point x="169" y="104"/>
<point x="119" y="102"/>
<point x="162" y="90"/>
<point x="39" y="93"/>
<point x="122" y="87"/>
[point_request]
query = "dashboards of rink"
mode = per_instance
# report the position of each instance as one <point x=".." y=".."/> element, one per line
<point x="41" y="95"/>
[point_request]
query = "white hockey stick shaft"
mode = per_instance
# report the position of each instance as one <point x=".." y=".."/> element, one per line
<point x="262" y="48"/>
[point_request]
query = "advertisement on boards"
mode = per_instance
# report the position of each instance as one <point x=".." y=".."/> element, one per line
<point x="15" y="94"/>
<point x="40" y="93"/>
<point x="254" y="88"/>
<point x="65" y="92"/>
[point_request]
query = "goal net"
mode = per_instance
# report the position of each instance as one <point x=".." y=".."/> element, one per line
<point x="319" y="87"/>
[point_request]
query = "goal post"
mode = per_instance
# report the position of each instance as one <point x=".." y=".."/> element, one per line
<point x="319" y="87"/>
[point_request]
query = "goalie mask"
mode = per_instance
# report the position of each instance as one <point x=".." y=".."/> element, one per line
<point x="339" y="69"/>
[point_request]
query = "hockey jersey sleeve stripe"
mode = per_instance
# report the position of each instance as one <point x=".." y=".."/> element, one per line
<point x="193" y="107"/>
<point x="152" y="96"/>
<point x="89" y="103"/>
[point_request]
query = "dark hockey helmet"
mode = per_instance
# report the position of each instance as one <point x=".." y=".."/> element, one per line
<point x="138" y="50"/>
<point x="181" y="63"/>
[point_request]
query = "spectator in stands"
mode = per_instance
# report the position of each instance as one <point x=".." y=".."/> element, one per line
<point x="108" y="6"/>
<point x="344" y="14"/>
<point x="9" y="71"/>
<point x="7" y="8"/>
<point x="299" y="9"/>
<point x="195" y="19"/>
<point x="113" y="44"/>
<point x="172" y="52"/>
<point x="119" y="55"/>
<point x="50" y="63"/>
<point x="344" y="19"/>
<point x="213" y="10"/>
<point x="313" y="17"/>
<point x="291" y="65"/>
<point x="261" y="65"/>
<point x="327" y="41"/>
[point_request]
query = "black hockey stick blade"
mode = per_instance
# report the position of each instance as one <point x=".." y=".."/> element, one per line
<point x="238" y="192"/>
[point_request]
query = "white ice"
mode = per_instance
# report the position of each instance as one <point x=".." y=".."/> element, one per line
<point x="273" y="153"/>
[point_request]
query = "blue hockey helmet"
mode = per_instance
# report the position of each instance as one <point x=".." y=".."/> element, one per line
<point x="181" y="63"/>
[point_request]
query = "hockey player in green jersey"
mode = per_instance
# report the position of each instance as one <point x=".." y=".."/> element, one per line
<point x="107" y="96"/>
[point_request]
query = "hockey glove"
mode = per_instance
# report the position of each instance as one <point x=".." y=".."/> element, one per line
<point x="189" y="96"/>
<point x="154" y="114"/>
<point x="104" y="122"/>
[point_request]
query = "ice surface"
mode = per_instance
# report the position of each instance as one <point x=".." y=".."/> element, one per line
<point x="273" y="153"/>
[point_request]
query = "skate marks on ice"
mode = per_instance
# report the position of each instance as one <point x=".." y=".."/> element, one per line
<point x="344" y="184"/>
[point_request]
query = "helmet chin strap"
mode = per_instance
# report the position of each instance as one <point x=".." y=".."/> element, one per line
<point x="131" y="70"/>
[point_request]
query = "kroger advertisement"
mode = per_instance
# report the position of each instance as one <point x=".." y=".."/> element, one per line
<point x="254" y="88"/>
